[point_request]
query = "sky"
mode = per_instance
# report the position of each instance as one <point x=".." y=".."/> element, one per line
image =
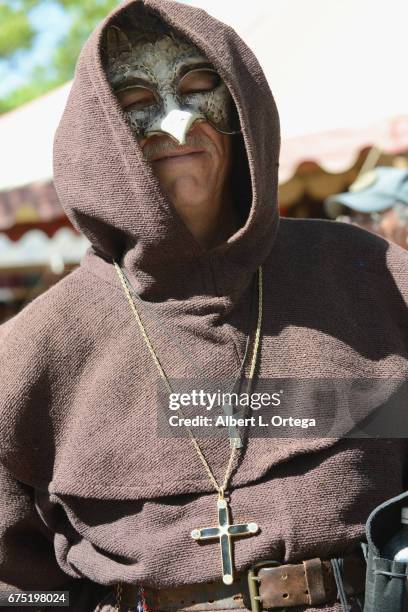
<point x="50" y="21"/>
<point x="331" y="65"/>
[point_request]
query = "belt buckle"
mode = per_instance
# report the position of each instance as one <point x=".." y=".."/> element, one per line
<point x="253" y="581"/>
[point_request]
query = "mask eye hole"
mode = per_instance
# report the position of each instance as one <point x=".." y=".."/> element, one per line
<point x="198" y="81"/>
<point x="136" y="98"/>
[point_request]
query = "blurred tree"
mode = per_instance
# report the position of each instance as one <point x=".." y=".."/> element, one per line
<point x="18" y="35"/>
<point x="16" y="31"/>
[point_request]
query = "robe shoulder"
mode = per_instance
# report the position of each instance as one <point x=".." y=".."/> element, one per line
<point x="331" y="247"/>
<point x="63" y="306"/>
<point x="44" y="350"/>
<point x="62" y="319"/>
<point x="347" y="287"/>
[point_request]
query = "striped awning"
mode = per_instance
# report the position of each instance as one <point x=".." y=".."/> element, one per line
<point x="30" y="204"/>
<point x="36" y="250"/>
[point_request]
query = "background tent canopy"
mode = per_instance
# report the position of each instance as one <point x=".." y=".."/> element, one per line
<point x="338" y="84"/>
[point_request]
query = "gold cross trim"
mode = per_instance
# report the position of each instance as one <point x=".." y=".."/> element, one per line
<point x="225" y="532"/>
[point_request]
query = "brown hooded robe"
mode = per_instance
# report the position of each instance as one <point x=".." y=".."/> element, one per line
<point x="89" y="495"/>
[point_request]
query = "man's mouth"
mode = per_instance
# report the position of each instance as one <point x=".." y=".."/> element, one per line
<point x="180" y="154"/>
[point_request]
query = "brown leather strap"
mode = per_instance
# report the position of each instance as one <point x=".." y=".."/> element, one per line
<point x="309" y="583"/>
<point x="203" y="597"/>
<point x="314" y="581"/>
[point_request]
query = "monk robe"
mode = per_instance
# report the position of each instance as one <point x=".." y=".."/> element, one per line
<point x="90" y="495"/>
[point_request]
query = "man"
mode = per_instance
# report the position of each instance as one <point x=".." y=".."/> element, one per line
<point x="166" y="158"/>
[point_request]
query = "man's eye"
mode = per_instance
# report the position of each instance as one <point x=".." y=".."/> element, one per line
<point x="136" y="98"/>
<point x="197" y="81"/>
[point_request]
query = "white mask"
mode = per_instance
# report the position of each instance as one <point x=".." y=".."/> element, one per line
<point x="166" y="86"/>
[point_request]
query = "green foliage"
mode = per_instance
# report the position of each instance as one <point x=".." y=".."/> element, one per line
<point x="17" y="35"/>
<point x="84" y="18"/>
<point x="15" y="31"/>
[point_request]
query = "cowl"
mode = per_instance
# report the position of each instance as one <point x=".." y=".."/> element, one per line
<point x="110" y="194"/>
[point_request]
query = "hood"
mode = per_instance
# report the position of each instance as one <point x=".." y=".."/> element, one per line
<point x="110" y="194"/>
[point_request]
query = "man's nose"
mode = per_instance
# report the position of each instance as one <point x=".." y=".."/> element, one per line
<point x="177" y="123"/>
<point x="174" y="121"/>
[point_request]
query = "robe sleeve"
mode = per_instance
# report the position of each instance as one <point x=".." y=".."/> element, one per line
<point x="27" y="554"/>
<point x="27" y="558"/>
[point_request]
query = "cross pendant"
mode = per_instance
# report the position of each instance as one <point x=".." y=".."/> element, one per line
<point x="225" y="532"/>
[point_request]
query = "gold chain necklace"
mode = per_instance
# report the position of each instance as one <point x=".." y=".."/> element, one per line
<point x="233" y="432"/>
<point x="224" y="531"/>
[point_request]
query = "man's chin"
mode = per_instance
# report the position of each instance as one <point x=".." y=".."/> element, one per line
<point x="186" y="186"/>
<point x="186" y="192"/>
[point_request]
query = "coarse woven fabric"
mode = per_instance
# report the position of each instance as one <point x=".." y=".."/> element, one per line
<point x="89" y="494"/>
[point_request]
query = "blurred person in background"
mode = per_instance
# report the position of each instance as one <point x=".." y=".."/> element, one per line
<point x="378" y="202"/>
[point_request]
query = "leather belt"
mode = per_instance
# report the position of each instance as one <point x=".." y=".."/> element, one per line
<point x="267" y="585"/>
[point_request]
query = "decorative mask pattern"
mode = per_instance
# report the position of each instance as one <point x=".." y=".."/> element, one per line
<point x="166" y="85"/>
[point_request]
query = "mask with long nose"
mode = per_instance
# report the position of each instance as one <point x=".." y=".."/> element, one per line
<point x="166" y="86"/>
